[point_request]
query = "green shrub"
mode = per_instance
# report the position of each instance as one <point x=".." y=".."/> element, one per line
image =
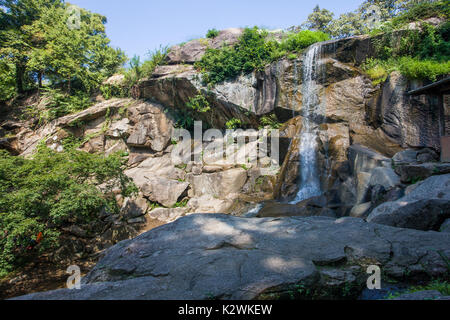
<point x="143" y="70"/>
<point x="212" y="33"/>
<point x="157" y="58"/>
<point x="418" y="54"/>
<point x="51" y="191"/>
<point x="423" y="69"/>
<point x="428" y="42"/>
<point x="183" y="119"/>
<point x="270" y="121"/>
<point x="233" y="124"/>
<point x="412" y="68"/>
<point x="199" y="103"/>
<point x="253" y="52"/>
<point x="113" y="91"/>
<point x="7" y="81"/>
<point x="378" y="74"/>
<point x="378" y="70"/>
<point x="60" y="103"/>
<point x="303" y="39"/>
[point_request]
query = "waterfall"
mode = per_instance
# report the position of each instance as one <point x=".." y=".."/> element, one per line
<point x="312" y="114"/>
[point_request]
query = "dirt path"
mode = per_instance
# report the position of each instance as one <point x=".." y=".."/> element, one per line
<point x="39" y="276"/>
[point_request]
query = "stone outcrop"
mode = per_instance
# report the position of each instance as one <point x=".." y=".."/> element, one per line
<point x="415" y="172"/>
<point x="151" y="127"/>
<point x="424" y="208"/>
<point x="258" y="259"/>
<point x="218" y="185"/>
<point x="363" y="162"/>
<point x="407" y="120"/>
<point x="194" y="50"/>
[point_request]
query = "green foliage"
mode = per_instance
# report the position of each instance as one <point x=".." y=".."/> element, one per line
<point x="113" y="91"/>
<point x="212" y="33"/>
<point x="233" y="123"/>
<point x="37" y="40"/>
<point x="442" y="286"/>
<point x="378" y="74"/>
<point x="423" y="69"/>
<point x="303" y="39"/>
<point x="154" y="205"/>
<point x="428" y="42"/>
<point x="253" y="52"/>
<point x="143" y="70"/>
<point x="7" y="81"/>
<point x="318" y="20"/>
<point x="421" y="11"/>
<point x="199" y="103"/>
<point x="413" y="68"/>
<point x="372" y="15"/>
<point x="49" y="192"/>
<point x="218" y="65"/>
<point x="157" y="58"/>
<point x="270" y="121"/>
<point x="417" y="54"/>
<point x="181" y="204"/>
<point x="184" y="119"/>
<point x="59" y="103"/>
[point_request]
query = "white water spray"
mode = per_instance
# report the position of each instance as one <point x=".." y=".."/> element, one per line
<point x="311" y="109"/>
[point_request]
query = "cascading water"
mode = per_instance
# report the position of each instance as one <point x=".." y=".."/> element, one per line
<point x="311" y="109"/>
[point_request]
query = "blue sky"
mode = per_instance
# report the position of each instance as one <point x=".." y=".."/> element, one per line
<point x="137" y="26"/>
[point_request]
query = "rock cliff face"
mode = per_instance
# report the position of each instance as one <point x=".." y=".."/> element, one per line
<point x="383" y="118"/>
<point x="373" y="144"/>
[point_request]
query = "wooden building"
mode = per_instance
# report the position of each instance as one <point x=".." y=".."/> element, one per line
<point x="441" y="90"/>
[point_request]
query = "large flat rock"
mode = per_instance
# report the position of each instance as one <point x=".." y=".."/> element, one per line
<point x="424" y="208"/>
<point x="224" y="257"/>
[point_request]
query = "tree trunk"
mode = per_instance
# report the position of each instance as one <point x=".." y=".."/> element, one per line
<point x="40" y="79"/>
<point x="20" y="71"/>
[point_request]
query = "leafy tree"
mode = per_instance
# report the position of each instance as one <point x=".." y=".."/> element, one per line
<point x="36" y="38"/>
<point x="371" y="14"/>
<point x="7" y="80"/>
<point x="15" y="40"/>
<point x="319" y="20"/>
<point x="49" y="192"/>
<point x="348" y="24"/>
<point x="136" y="66"/>
<point x="73" y="55"/>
